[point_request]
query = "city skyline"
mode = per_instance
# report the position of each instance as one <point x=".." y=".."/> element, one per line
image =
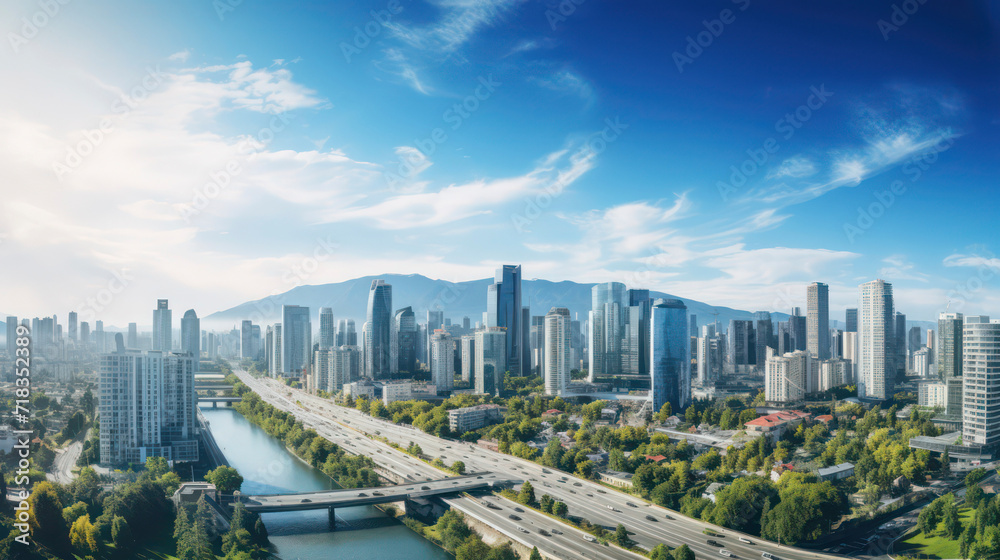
<point x="512" y="183"/>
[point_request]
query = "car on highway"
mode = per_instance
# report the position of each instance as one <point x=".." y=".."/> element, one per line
<point x="599" y="491"/>
<point x="745" y="540"/>
<point x="577" y="484"/>
<point x="518" y="510"/>
<point x="630" y="504"/>
<point x="546" y="471"/>
<point x="614" y="509"/>
<point x="668" y="517"/>
<point x="305" y="501"/>
<point x="425" y="487"/>
<point x="651" y="518"/>
<point x="556" y="532"/>
<point x="726" y="553"/>
<point x="514" y="517"/>
<point x="522" y="529"/>
<point x="768" y="556"/>
<point x="543" y="533"/>
<point x="713" y="543"/>
<point x="590" y="538"/>
<point x="362" y="495"/>
<point x="377" y="494"/>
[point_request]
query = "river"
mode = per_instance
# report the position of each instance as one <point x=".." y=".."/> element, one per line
<point x="364" y="533"/>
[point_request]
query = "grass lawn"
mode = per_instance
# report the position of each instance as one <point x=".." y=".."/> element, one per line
<point x="921" y="546"/>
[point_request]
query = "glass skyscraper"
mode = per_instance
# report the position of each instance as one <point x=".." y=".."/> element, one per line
<point x="607" y="325"/>
<point x="377" y="341"/>
<point x="670" y="355"/>
<point x="503" y="309"/>
<point x="296" y="338"/>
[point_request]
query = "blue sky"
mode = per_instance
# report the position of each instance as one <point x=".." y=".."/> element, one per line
<point x="587" y="140"/>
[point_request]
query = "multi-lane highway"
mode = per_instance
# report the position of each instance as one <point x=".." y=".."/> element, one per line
<point x="648" y="524"/>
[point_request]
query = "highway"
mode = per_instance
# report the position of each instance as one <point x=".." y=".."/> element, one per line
<point x="648" y="524"/>
<point x="61" y="470"/>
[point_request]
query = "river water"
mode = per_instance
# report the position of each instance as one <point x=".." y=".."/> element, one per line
<point x="363" y="533"/>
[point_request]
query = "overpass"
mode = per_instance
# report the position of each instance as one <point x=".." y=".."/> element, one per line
<point x="332" y="499"/>
<point x="228" y="401"/>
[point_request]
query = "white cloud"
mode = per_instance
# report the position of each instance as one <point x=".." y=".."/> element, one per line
<point x="181" y="56"/>
<point x="460" y="21"/>
<point x="795" y="167"/>
<point x="568" y="82"/>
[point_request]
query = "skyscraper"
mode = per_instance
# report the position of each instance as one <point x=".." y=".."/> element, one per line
<point x="246" y="340"/>
<point x="981" y="377"/>
<point x="557" y="344"/>
<point x="163" y="326"/>
<point x="797" y="330"/>
<point x="538" y="344"/>
<point x="326" y="328"/>
<point x="670" y="355"/>
<point x="900" y="345"/>
<point x="147" y="407"/>
<point x="741" y="352"/>
<point x="818" y="320"/>
<point x="950" y="360"/>
<point x="346" y="333"/>
<point x="607" y="323"/>
<point x="785" y="377"/>
<point x="442" y="360"/>
<point x="635" y="350"/>
<point x="11" y="324"/>
<point x="133" y="336"/>
<point x="296" y="338"/>
<point x="876" y="337"/>
<point x="468" y="357"/>
<point x="711" y="357"/>
<point x="276" y="365"/>
<point x="404" y="343"/>
<point x="378" y="341"/>
<point x="851" y="320"/>
<point x="490" y="347"/>
<point x="190" y="335"/>
<point x="504" y="309"/>
<point x="72" y="327"/>
<point x="764" y="330"/>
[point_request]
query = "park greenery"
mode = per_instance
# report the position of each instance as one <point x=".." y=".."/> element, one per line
<point x="454" y="535"/>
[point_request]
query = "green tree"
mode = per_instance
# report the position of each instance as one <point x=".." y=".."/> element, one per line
<point x="527" y="494"/>
<point x="157" y="467"/>
<point x="83" y="535"/>
<point x="621" y="537"/>
<point x="560" y="509"/>
<point x="683" y="552"/>
<point x="691" y="415"/>
<point x="47" y="523"/>
<point x="666" y="411"/>
<point x="458" y="467"/>
<point x="226" y="479"/>
<point x="503" y="551"/>
<point x="952" y="522"/>
<point x="473" y="548"/>
<point x="73" y="512"/>
<point x="535" y="555"/>
<point x="660" y="552"/>
<point x="121" y="535"/>
<point x="545" y="503"/>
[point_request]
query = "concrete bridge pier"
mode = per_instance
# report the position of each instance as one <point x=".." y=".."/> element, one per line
<point x="332" y="511"/>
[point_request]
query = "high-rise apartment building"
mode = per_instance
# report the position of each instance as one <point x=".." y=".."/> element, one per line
<point x="981" y="380"/>
<point x="557" y="355"/>
<point x="950" y="360"/>
<point x="11" y="325"/>
<point x="147" y="407"/>
<point x="818" y="320"/>
<point x="537" y="340"/>
<point x="786" y="377"/>
<point x="133" y="337"/>
<point x="741" y="353"/>
<point x="442" y="360"/>
<point x="876" y="341"/>
<point x="764" y="330"/>
<point x="468" y="357"/>
<point x="72" y="331"/>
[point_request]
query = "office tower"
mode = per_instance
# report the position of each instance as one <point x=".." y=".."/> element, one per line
<point x="538" y="344"/>
<point x="783" y="336"/>
<point x="133" y="336"/>
<point x="607" y="322"/>
<point x="491" y="360"/>
<point x="378" y="331"/>
<point x="930" y="345"/>
<point x="442" y="360"/>
<point x="786" y="377"/>
<point x="435" y="320"/>
<point x="346" y="364"/>
<point x="147" y="407"/>
<point x="693" y="328"/>
<point x="525" y="341"/>
<point x="836" y="344"/>
<point x="578" y="344"/>
<point x="557" y="351"/>
<point x="852" y="320"/>
<point x="327" y="336"/>
<point x="950" y="360"/>
<point x="468" y="351"/>
<point x="212" y="350"/>
<point x="84" y="333"/>
<point x="670" y="355"/>
<point x="900" y="345"/>
<point x="296" y="338"/>
<point x="190" y="335"/>
<point x="797" y="331"/>
<point x="764" y="330"/>
<point x="99" y="341"/>
<point x="163" y="326"/>
<point x="42" y="337"/>
<point x="275" y="366"/>
<point x="404" y="344"/>
<point x="635" y="351"/>
<point x="466" y="323"/>
<point x="504" y="309"/>
<point x="818" y="320"/>
<point x="72" y="331"/>
<point x="346" y="334"/>
<point x="269" y="346"/>
<point x="742" y="352"/>
<point x="255" y="341"/>
<point x="711" y="357"/>
<point x="246" y="339"/>
<point x="11" y="324"/>
<point x="876" y="337"/>
<point x="981" y="377"/>
<point x="913" y="342"/>
<point x="322" y="370"/>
